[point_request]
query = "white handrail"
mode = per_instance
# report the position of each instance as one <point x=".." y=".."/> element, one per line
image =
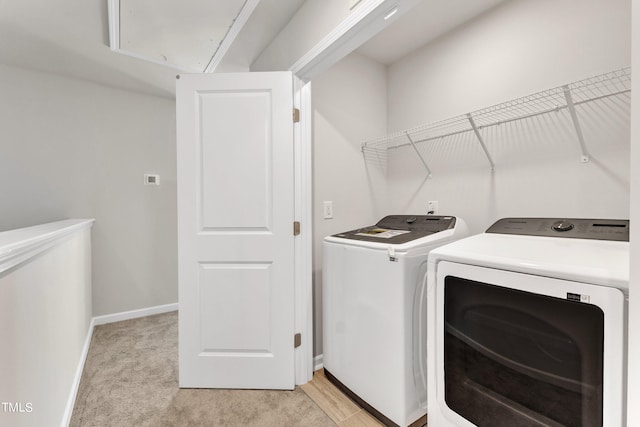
<point x="20" y="245"/>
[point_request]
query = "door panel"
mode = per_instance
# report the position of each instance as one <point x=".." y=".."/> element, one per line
<point x="223" y="295"/>
<point x="236" y="155"/>
<point x="235" y="239"/>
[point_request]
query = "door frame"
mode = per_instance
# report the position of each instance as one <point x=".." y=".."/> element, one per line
<point x="303" y="205"/>
<point x="367" y="20"/>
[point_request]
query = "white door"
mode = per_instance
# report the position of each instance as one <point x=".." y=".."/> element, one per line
<point x="235" y="230"/>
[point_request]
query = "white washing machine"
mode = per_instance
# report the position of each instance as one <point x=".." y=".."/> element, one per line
<point x="527" y="325"/>
<point x="371" y="349"/>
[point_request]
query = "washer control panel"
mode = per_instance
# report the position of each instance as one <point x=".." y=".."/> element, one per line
<point x="576" y="228"/>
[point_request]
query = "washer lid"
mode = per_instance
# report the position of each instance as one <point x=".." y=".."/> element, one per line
<point x="398" y="229"/>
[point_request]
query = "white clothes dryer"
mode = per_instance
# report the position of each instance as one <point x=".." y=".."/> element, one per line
<point x="527" y="325"/>
<point x="373" y="341"/>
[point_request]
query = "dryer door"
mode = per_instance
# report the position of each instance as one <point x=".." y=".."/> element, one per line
<point x="524" y="350"/>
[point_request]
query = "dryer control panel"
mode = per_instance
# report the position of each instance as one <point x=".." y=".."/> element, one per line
<point x="576" y="228"/>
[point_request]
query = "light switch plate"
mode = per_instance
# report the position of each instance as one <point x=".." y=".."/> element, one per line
<point x="327" y="209"/>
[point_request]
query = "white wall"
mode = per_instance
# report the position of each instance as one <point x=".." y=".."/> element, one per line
<point x="633" y="410"/>
<point x="349" y="106"/>
<point x="75" y="149"/>
<point x="518" y="48"/>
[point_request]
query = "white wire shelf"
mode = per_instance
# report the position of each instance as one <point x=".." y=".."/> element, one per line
<point x="614" y="83"/>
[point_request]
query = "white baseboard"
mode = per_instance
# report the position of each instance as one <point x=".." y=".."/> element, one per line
<point x="134" y="314"/>
<point x="317" y="362"/>
<point x="103" y="320"/>
<point x="68" y="411"/>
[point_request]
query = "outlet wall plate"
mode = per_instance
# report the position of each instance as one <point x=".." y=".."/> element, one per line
<point x="432" y="207"/>
<point x="151" y="179"/>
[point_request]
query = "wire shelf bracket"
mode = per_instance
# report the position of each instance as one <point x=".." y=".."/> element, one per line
<point x="484" y="147"/>
<point x="574" y="118"/>
<point x="413" y="144"/>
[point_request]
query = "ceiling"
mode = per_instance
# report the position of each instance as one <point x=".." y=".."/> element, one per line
<point x="71" y="38"/>
<point x="185" y="32"/>
<point x="426" y="22"/>
<point x="198" y="35"/>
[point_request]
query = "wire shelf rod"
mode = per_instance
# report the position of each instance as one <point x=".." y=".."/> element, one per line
<point x="505" y="121"/>
<point x="614" y="83"/>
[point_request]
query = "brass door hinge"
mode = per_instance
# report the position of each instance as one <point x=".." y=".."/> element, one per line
<point x="296" y="115"/>
<point x="296" y="228"/>
<point x="297" y="340"/>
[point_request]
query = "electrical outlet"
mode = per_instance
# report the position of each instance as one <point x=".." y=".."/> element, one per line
<point x="432" y="207"/>
<point x="328" y="209"/>
<point x="151" y="179"/>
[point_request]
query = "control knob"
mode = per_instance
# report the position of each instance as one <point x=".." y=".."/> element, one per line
<point x="562" y="225"/>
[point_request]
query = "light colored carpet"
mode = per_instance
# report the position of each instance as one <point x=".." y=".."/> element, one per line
<point x="130" y="378"/>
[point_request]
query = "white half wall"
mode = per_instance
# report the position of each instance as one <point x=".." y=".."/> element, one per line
<point x="71" y="148"/>
<point x="349" y="106"/>
<point x="45" y="315"/>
